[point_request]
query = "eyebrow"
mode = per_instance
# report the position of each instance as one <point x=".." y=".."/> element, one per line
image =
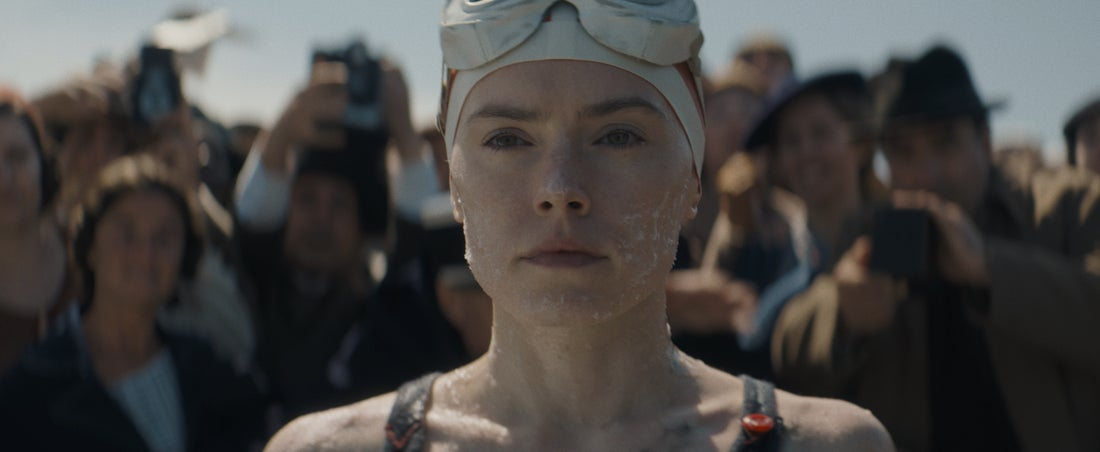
<point x="607" y="107"/>
<point x="497" y="111"/>
<point x="618" y="104"/>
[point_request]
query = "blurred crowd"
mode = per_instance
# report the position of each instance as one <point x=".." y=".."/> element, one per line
<point x="172" y="282"/>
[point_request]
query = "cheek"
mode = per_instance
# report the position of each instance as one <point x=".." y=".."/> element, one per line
<point x="647" y="230"/>
<point x="488" y="227"/>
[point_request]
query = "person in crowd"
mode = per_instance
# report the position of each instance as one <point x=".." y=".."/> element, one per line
<point x="93" y="121"/>
<point x="87" y="120"/>
<point x="114" y="379"/>
<point x="217" y="307"/>
<point x="769" y="56"/>
<point x="819" y="139"/>
<point x="733" y="100"/>
<point x="1018" y="159"/>
<point x="33" y="273"/>
<point x="315" y="214"/>
<point x="1082" y="133"/>
<point x="574" y="162"/>
<point x="977" y="330"/>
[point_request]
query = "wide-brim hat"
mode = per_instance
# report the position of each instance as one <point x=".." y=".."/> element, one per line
<point x="763" y="131"/>
<point x="933" y="87"/>
<point x="1083" y="113"/>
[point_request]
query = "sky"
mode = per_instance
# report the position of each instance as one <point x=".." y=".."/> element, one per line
<point x="1043" y="58"/>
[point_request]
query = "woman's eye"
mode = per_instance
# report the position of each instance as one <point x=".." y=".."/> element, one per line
<point x="504" y="141"/>
<point x="621" y="138"/>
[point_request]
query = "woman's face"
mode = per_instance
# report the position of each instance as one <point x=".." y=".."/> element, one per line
<point x="572" y="180"/>
<point x="814" y="150"/>
<point x="137" y="251"/>
<point x="20" y="172"/>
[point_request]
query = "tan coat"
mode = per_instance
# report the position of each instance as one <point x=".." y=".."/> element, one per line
<point x="1042" y="326"/>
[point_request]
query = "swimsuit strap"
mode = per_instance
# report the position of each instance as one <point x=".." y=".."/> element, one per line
<point x="405" y="426"/>
<point x="761" y="426"/>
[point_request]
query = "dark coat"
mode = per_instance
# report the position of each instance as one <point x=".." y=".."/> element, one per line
<point x="52" y="400"/>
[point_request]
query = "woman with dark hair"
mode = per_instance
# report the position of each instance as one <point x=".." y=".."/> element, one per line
<point x="821" y="139"/>
<point x="574" y="134"/>
<point x="114" y="380"/>
<point x="32" y="252"/>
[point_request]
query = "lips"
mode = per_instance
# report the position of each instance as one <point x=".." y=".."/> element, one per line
<point x="562" y="254"/>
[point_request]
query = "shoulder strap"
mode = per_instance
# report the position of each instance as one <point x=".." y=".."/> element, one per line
<point x="761" y="426"/>
<point x="405" y="426"/>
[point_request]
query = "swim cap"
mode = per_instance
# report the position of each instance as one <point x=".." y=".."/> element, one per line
<point x="656" y="40"/>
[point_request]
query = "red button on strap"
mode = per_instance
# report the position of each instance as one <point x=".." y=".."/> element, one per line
<point x="757" y="423"/>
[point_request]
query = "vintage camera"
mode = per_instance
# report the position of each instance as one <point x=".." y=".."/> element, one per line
<point x="903" y="243"/>
<point x="364" y="110"/>
<point x="156" y="90"/>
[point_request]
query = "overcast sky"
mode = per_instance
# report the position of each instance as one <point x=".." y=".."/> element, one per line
<point x="1042" y="57"/>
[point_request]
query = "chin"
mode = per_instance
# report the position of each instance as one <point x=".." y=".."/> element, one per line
<point x="561" y="305"/>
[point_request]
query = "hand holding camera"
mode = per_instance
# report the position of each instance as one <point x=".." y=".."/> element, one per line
<point x="867" y="299"/>
<point x="959" y="247"/>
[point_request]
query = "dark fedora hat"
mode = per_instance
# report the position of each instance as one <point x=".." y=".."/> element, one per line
<point x="933" y="87"/>
<point x="763" y="130"/>
<point x="1085" y="112"/>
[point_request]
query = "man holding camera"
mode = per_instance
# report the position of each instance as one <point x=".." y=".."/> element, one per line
<point x="994" y="346"/>
<point x="314" y="200"/>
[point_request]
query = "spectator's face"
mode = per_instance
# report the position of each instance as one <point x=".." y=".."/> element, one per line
<point x="950" y="158"/>
<point x="20" y="170"/>
<point x="773" y="65"/>
<point x="572" y="180"/>
<point x="322" y="229"/>
<point x="1088" y="144"/>
<point x="137" y="251"/>
<point x="815" y="154"/>
<point x="728" y="114"/>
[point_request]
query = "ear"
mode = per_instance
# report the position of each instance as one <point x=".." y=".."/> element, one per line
<point x="456" y="202"/>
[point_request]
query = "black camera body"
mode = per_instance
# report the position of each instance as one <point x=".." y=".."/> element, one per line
<point x="364" y="110"/>
<point x="903" y="243"/>
<point x="156" y="89"/>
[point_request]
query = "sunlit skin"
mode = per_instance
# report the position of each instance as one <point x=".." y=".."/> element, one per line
<point x="612" y="179"/>
<point x="322" y="234"/>
<point x="572" y="180"/>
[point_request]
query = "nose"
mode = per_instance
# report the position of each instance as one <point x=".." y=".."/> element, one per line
<point x="560" y="191"/>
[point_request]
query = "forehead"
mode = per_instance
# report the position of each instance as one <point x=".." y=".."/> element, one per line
<point x="554" y="86"/>
<point x="142" y="204"/>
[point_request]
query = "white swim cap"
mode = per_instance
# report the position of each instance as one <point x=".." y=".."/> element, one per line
<point x="656" y="40"/>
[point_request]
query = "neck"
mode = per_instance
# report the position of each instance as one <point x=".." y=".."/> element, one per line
<point x="589" y="377"/>
<point x="120" y="333"/>
<point x="827" y="221"/>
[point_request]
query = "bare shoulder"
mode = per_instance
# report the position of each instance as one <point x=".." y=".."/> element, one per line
<point x="830" y="424"/>
<point x="359" y="426"/>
